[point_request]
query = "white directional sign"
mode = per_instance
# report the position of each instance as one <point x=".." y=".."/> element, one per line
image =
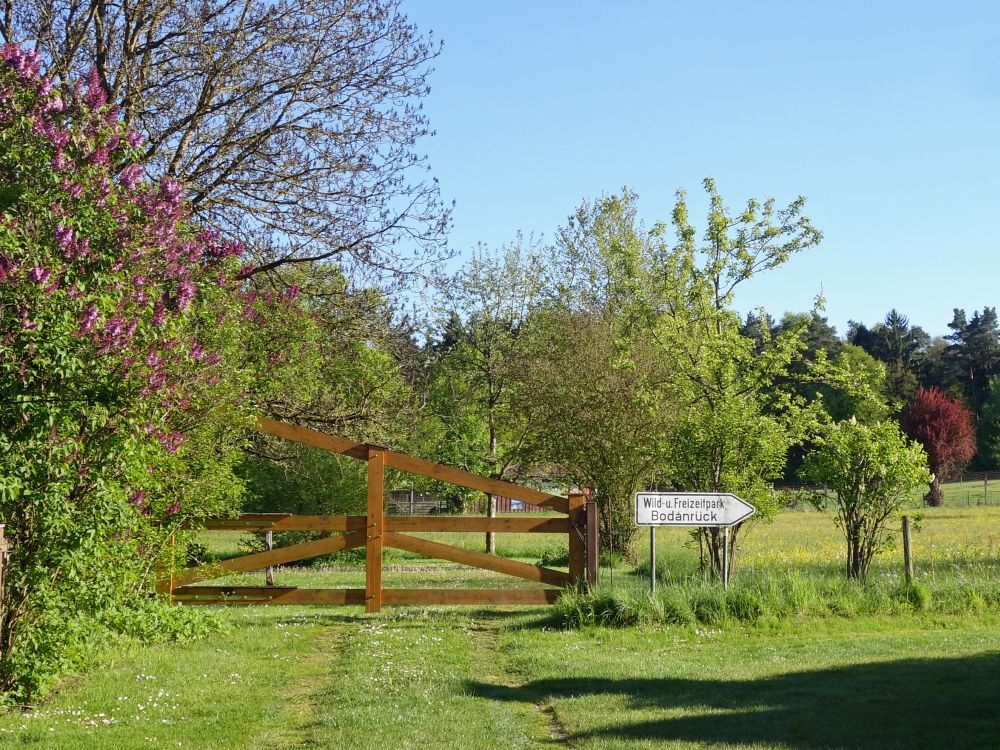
<point x="690" y="509"/>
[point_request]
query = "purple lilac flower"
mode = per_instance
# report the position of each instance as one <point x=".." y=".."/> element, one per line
<point x="100" y="156"/>
<point x="39" y="275"/>
<point x="59" y="162"/>
<point x="65" y="240"/>
<point x="27" y="62"/>
<point x="26" y="324"/>
<point x="171" y="189"/>
<point x="130" y="176"/>
<point x="55" y="105"/>
<point x="89" y="318"/>
<point x="185" y="293"/>
<point x="172" y="442"/>
<point x="114" y="327"/>
<point x="7" y="268"/>
<point x="96" y="95"/>
<point x="159" y="314"/>
<point x="175" y="508"/>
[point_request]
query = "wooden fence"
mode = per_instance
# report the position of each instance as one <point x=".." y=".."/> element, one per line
<point x="375" y="530"/>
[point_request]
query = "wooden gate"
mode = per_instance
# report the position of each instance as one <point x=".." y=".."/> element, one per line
<point x="375" y="530"/>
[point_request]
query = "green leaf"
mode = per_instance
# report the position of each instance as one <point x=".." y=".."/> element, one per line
<point x="9" y="195"/>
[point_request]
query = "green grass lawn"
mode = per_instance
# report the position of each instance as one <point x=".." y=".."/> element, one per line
<point x="294" y="677"/>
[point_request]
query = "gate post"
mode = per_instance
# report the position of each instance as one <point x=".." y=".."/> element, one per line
<point x="593" y="529"/>
<point x="165" y="572"/>
<point x="375" y="522"/>
<point x="577" y="528"/>
<point x="3" y="562"/>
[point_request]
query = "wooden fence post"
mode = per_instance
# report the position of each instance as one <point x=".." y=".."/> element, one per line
<point x="577" y="527"/>
<point x="374" y="527"/>
<point x="165" y="574"/>
<point x="269" y="545"/>
<point x="593" y="536"/>
<point x="907" y="551"/>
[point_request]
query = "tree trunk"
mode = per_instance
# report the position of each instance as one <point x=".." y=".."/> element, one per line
<point x="491" y="512"/>
<point x="713" y="539"/>
<point x="935" y="497"/>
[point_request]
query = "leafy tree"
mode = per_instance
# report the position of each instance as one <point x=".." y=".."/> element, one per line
<point x="734" y="424"/>
<point x="597" y="414"/>
<point x="935" y="369"/>
<point x="871" y="469"/>
<point x="132" y="358"/>
<point x="591" y="383"/>
<point x="819" y="334"/>
<point x="292" y="125"/>
<point x="488" y="306"/>
<point x="683" y="397"/>
<point x="900" y="346"/>
<point x="854" y="387"/>
<point x="944" y="427"/>
<point x="760" y="327"/>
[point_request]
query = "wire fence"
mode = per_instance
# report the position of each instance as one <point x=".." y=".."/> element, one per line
<point x="968" y="490"/>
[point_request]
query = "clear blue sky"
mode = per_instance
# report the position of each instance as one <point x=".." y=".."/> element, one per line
<point x="886" y="115"/>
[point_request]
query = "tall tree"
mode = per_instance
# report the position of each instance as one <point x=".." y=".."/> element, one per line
<point x="735" y="426"/>
<point x="292" y="125"/>
<point x="594" y="384"/>
<point x="598" y="413"/>
<point x="900" y="346"/>
<point x="488" y="306"/>
<point x="974" y="353"/>
<point x="988" y="429"/>
<point x="944" y="427"/>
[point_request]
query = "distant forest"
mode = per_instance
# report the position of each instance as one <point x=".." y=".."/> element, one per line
<point x="964" y="364"/>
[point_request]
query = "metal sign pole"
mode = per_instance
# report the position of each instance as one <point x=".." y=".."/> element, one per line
<point x="725" y="558"/>
<point x="652" y="560"/>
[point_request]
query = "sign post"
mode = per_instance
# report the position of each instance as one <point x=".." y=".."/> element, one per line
<point x="715" y="509"/>
<point x="652" y="560"/>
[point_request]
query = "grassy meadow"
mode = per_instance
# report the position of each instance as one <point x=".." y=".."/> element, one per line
<point x="826" y="664"/>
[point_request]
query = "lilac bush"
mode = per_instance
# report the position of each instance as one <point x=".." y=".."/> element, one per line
<point x="131" y="357"/>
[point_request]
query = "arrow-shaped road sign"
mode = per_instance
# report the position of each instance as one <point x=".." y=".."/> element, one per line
<point x="690" y="509"/>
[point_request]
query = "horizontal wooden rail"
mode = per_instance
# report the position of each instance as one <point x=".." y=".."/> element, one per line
<point x="287" y="522"/>
<point x="469" y="596"/>
<point x="266" y="595"/>
<point x="403" y="462"/>
<point x="475" y="523"/>
<point x="314" y="438"/>
<point x="477" y="559"/>
<point x="234" y="595"/>
<point x="284" y="522"/>
<point x="462" y="478"/>
<point x="260" y="560"/>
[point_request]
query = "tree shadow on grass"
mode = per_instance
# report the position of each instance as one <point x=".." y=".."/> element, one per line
<point x="915" y="703"/>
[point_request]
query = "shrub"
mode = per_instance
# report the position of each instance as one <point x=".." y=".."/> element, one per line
<point x="131" y="358"/>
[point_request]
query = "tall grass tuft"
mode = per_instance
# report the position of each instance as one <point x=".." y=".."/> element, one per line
<point x="775" y="597"/>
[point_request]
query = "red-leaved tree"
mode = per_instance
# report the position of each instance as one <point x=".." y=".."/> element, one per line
<point x="944" y="426"/>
